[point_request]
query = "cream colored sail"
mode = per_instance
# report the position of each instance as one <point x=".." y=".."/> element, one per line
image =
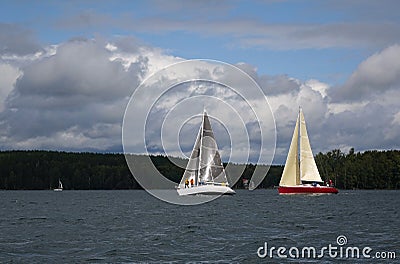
<point x="308" y="167"/>
<point x="292" y="162"/>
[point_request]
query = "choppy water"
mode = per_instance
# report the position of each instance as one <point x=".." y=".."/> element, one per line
<point x="132" y="226"/>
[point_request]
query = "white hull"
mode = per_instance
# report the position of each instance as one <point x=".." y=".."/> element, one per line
<point x="206" y="190"/>
<point x="58" y="190"/>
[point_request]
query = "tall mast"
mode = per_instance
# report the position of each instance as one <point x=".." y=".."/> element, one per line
<point x="201" y="146"/>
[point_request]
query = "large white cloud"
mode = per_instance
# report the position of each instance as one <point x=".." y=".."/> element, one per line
<point x="72" y="97"/>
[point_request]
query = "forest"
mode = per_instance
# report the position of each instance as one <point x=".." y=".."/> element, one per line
<point x="367" y="170"/>
<point x="41" y="170"/>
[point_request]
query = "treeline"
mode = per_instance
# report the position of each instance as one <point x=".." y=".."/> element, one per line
<point x="366" y="170"/>
<point x="39" y="170"/>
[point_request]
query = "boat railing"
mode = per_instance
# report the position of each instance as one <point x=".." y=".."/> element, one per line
<point x="216" y="183"/>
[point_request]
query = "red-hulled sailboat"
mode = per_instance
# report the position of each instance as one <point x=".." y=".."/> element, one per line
<point x="302" y="176"/>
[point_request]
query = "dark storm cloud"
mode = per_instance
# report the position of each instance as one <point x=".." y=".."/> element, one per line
<point x="15" y="40"/>
<point x="80" y="68"/>
<point x="78" y="90"/>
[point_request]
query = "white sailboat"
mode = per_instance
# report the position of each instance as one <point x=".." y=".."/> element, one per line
<point x="204" y="172"/>
<point x="301" y="175"/>
<point x="60" y="186"/>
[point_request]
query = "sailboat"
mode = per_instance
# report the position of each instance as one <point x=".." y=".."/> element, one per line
<point x="301" y="176"/>
<point x="60" y="186"/>
<point x="204" y="172"/>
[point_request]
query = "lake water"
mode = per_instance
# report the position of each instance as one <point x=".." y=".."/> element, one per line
<point x="132" y="226"/>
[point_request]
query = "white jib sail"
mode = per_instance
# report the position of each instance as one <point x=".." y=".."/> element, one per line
<point x="308" y="168"/>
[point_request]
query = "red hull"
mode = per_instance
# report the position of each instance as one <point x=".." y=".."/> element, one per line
<point x="306" y="189"/>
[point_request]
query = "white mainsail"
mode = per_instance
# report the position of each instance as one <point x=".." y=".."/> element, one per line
<point x="60" y="186"/>
<point x="204" y="165"/>
<point x="305" y="170"/>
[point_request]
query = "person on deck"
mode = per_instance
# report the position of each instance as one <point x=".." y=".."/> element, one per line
<point x="187" y="183"/>
<point x="191" y="182"/>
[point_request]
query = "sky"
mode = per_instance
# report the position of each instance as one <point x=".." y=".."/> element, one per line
<point x="68" y="69"/>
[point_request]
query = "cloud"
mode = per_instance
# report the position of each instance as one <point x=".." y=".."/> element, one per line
<point x="319" y="36"/>
<point x="173" y="108"/>
<point x="251" y="30"/>
<point x="72" y="96"/>
<point x="8" y="77"/>
<point x="17" y="40"/>
<point x="363" y="113"/>
<point x="77" y="94"/>
<point x="362" y="10"/>
<point x="286" y="106"/>
<point x="371" y="127"/>
<point x="377" y="74"/>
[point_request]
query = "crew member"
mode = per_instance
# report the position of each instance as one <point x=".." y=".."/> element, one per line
<point x="187" y="183"/>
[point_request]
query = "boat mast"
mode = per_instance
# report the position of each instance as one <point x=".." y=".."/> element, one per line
<point x="201" y="146"/>
<point x="298" y="169"/>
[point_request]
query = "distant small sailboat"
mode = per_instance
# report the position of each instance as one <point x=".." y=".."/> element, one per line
<point x="302" y="176"/>
<point x="204" y="172"/>
<point x="60" y="186"/>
